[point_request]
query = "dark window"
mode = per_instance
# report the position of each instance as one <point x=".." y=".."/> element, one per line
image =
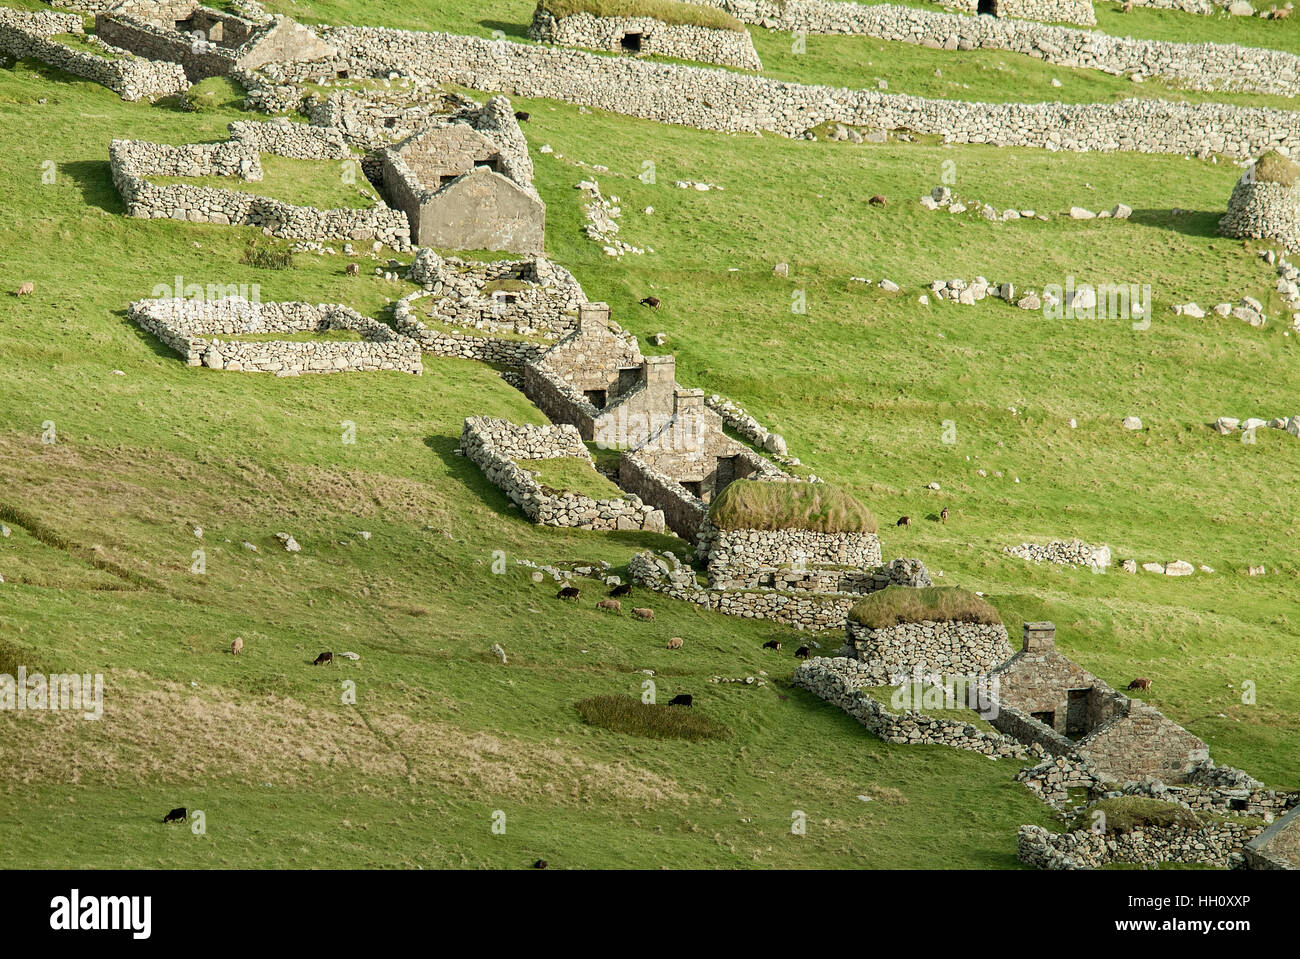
<point x="725" y="474"/>
<point x="1240" y="805"/>
<point x="692" y="487"/>
<point x="595" y="397"/>
<point x="988" y="7"/>
<point x="631" y="42"/>
<point x="1076" y="715"/>
<point x="628" y="378"/>
<point x="342" y="74"/>
<point x="1047" y="718"/>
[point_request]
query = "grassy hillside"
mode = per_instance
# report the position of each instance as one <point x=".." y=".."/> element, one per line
<point x="98" y="566"/>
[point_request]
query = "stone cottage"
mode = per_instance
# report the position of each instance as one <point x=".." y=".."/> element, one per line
<point x="204" y="41"/>
<point x="1123" y="739"/>
<point x="1265" y="203"/>
<point x="717" y="38"/>
<point x="1278" y="846"/>
<point x="460" y="190"/>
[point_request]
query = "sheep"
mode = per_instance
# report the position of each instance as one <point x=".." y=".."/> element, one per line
<point x="568" y="592"/>
<point x="682" y="699"/>
<point x="27" y="289"/>
<point x="496" y="650"/>
<point x="904" y="521"/>
<point x="353" y="269"/>
<point x="523" y="116"/>
<point x="540" y="864"/>
<point x="640" y="612"/>
<point x="1126" y="7"/>
<point x="1282" y="14"/>
<point x="1141" y="683"/>
<point x="877" y="200"/>
<point x="324" y="659"/>
<point x="943" y="516"/>
<point x="237" y="646"/>
<point x="802" y="652"/>
<point x="623" y="589"/>
<point x="675" y="643"/>
<point x="178" y="814"/>
<point x="773" y="644"/>
<point x="612" y="605"/>
<point x="651" y="301"/>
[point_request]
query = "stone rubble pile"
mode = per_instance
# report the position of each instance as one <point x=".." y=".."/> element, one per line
<point x="1072" y="552"/>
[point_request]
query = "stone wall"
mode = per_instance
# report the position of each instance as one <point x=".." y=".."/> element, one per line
<point x="131" y="161"/>
<point x="288" y="139"/>
<point x="469" y="346"/>
<point x="728" y="48"/>
<point x="199" y="59"/>
<point x="839" y="681"/>
<point x="1266" y="211"/>
<point x="1072" y="552"/>
<point x="1142" y="742"/>
<point x="741" y="558"/>
<point x="201" y="331"/>
<point x="131" y="78"/>
<point x="494" y="446"/>
<point x="1200" y="66"/>
<point x="717" y="99"/>
<point x="684" y="512"/>
<point x="1211" y="844"/>
<point x="931" y="647"/>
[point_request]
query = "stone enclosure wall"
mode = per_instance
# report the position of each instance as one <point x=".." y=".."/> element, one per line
<point x="744" y="558"/>
<point x="494" y="446"/>
<point x="485" y="348"/>
<point x="1265" y="211"/>
<point x="932" y="647"/>
<point x="26" y="35"/>
<point x="728" y="48"/>
<point x="1211" y="844"/>
<point x="288" y="139"/>
<point x="204" y="331"/>
<point x="132" y="161"/>
<point x="716" y="99"/>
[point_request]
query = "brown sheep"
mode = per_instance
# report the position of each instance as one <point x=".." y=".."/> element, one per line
<point x="354" y="269"/>
<point x="613" y="605"/>
<point x="877" y="200"/>
<point x="773" y="644"/>
<point x="1281" y="14"/>
<point x="324" y="659"/>
<point x="1141" y="683"/>
<point x="904" y="521"/>
<point x="651" y="301"/>
<point x="943" y="516"/>
<point x="237" y="646"/>
<point x="640" y="612"/>
<point x="1127" y="7"/>
<point x="675" y="643"/>
<point x="27" y="289"/>
<point x="568" y="592"/>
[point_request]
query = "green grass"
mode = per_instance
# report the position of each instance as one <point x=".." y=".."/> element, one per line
<point x="98" y="571"/>
<point x="323" y="184"/>
<point x="819" y="507"/>
<point x="630" y="716"/>
<point x="895" y="605"/>
<point x="1125" y="814"/>
<point x="668" y="11"/>
<point x="1273" y="167"/>
<point x="79" y="43"/>
<point x="572" y="474"/>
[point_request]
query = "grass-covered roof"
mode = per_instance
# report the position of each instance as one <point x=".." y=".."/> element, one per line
<point x="760" y="504"/>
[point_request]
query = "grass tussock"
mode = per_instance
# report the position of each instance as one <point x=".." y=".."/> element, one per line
<point x="905" y="604"/>
<point x="669" y="11"/>
<point x="1126" y="814"/>
<point x="1273" y="167"/>
<point x="819" y="507"/>
<point x="627" y="714"/>
<point x="571" y="474"/>
<point x="267" y="257"/>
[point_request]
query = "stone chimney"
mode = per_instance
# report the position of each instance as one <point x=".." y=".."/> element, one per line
<point x="659" y="377"/>
<point x="1040" y="637"/>
<point x="593" y="317"/>
<point x="688" y="402"/>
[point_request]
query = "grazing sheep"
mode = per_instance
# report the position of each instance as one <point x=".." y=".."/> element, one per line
<point x="651" y="301"/>
<point x="176" y="815"/>
<point x="1281" y="14"/>
<point x="1141" y="683"/>
<point x="772" y="644"/>
<point x="569" y="592"/>
<point x="801" y="653"/>
<point x="324" y="659"/>
<point x="623" y="589"/>
<point x="904" y="521"/>
<point x="877" y="200"/>
<point x="1126" y="7"/>
<point x="27" y="289"/>
<point x="498" y="652"/>
<point x="540" y="864"/>
<point x="612" y="605"/>
<point x="682" y="699"/>
<point x="523" y="117"/>
<point x="237" y="646"/>
<point x="675" y="643"/>
<point x="640" y="612"/>
<point x="943" y="516"/>
<point x="354" y="269"/>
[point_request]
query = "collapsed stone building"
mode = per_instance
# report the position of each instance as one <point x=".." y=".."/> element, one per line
<point x="206" y="42"/>
<point x="1278" y="846"/>
<point x="726" y="44"/>
<point x="1265" y="203"/>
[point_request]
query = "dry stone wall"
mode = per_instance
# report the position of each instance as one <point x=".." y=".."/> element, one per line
<point x="1200" y="66"/>
<point x="494" y="445"/>
<point x="469" y="346"/>
<point x="1213" y="844"/>
<point x="131" y="161"/>
<point x="287" y="139"/>
<point x="204" y="332"/>
<point x="717" y="99"/>
<point x="840" y="681"/>
<point x="931" y="647"/>
<point x="1263" y="210"/>
<point x="740" y="558"/>
<point x="26" y="35"/>
<point x="728" y="48"/>
<point x="1073" y="552"/>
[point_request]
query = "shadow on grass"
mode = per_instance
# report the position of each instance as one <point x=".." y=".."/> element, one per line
<point x="95" y="181"/>
<point x="516" y="31"/>
<point x="1187" y="222"/>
